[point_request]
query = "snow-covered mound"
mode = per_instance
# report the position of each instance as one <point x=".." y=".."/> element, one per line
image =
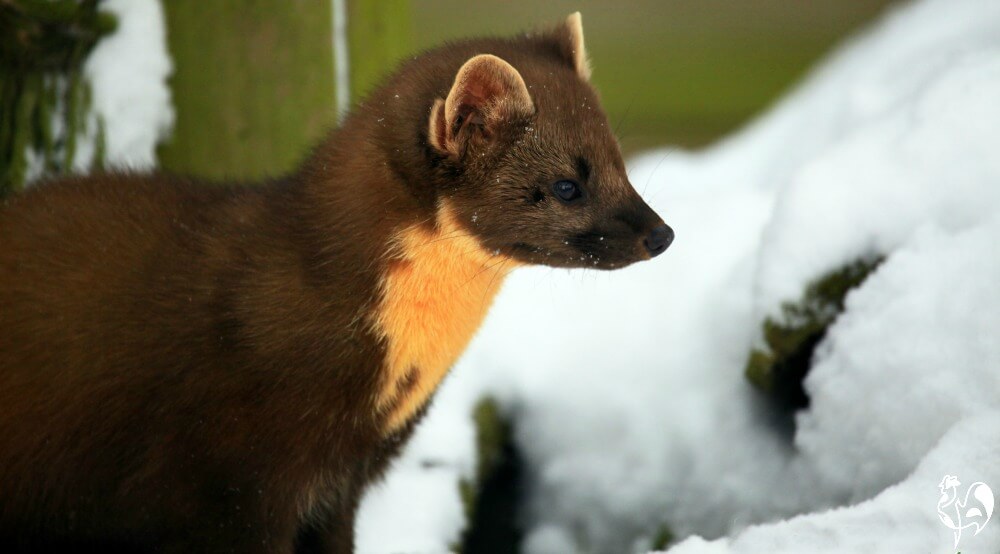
<point x="630" y="402"/>
<point x="902" y="518"/>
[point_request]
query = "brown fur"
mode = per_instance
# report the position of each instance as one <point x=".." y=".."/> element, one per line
<point x="195" y="368"/>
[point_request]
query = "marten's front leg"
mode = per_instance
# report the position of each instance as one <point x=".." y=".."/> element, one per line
<point x="232" y="535"/>
<point x="330" y="534"/>
<point x="248" y="518"/>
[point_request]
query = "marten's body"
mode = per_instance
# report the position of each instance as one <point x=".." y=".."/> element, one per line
<point x="205" y="368"/>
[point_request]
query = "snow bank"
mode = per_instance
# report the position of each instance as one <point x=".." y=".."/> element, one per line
<point x="128" y="74"/>
<point x="917" y="349"/>
<point x="417" y="509"/>
<point x="628" y="390"/>
<point x="903" y="518"/>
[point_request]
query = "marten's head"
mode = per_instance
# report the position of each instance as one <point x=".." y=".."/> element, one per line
<point x="526" y="159"/>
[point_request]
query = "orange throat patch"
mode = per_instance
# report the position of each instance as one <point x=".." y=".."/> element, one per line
<point x="435" y="294"/>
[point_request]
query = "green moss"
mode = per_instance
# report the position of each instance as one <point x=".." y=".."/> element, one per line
<point x="780" y="366"/>
<point x="492" y="430"/>
<point x="467" y="491"/>
<point x="101" y="146"/>
<point x="43" y="46"/>
<point x="491" y="498"/>
<point x="663" y="537"/>
<point x="759" y="369"/>
<point x="21" y="135"/>
<point x="74" y="115"/>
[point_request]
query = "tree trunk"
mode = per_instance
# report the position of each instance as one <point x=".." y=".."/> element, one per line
<point x="380" y="35"/>
<point x="253" y="85"/>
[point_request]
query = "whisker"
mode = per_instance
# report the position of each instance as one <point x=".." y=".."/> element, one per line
<point x="454" y="235"/>
<point x="656" y="167"/>
<point x="486" y="268"/>
<point x="489" y="285"/>
<point x="624" y="116"/>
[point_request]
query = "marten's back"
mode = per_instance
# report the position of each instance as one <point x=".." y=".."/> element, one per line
<point x="119" y="292"/>
<point x="88" y="268"/>
<point x="150" y="326"/>
<point x="81" y="253"/>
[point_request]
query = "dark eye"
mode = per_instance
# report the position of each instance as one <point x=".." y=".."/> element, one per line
<point x="565" y="190"/>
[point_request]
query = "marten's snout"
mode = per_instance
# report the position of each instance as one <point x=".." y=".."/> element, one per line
<point x="658" y="240"/>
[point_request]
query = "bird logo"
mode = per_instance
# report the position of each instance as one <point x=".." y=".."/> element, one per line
<point x="975" y="510"/>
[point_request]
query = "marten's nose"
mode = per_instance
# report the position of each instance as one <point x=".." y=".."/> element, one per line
<point x="658" y="240"/>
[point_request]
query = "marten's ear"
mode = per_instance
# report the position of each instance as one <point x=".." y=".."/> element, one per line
<point x="487" y="92"/>
<point x="570" y="37"/>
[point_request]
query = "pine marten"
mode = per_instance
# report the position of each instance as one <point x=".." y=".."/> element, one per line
<point x="225" y="368"/>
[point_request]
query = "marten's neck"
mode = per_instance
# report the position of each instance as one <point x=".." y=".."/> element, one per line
<point x="434" y="281"/>
<point x="436" y="290"/>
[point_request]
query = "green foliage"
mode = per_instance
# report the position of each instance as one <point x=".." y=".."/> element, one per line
<point x="778" y="369"/>
<point x="44" y="95"/>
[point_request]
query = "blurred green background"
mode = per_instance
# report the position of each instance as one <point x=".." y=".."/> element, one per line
<point x="253" y="82"/>
<point x="672" y="71"/>
<point x="254" y="86"/>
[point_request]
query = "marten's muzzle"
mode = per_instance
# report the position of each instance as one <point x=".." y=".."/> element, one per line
<point x="658" y="240"/>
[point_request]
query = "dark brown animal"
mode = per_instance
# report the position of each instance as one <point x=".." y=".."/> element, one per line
<point x="192" y="368"/>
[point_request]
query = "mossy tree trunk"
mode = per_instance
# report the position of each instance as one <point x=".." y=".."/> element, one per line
<point x="380" y="34"/>
<point x="253" y="85"/>
<point x="253" y="81"/>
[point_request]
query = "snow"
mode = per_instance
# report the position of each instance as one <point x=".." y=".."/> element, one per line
<point x="902" y="518"/>
<point x="939" y="296"/>
<point x="417" y="509"/>
<point x="627" y="388"/>
<point x="128" y="73"/>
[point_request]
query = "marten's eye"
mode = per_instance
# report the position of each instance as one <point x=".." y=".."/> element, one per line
<point x="566" y="190"/>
